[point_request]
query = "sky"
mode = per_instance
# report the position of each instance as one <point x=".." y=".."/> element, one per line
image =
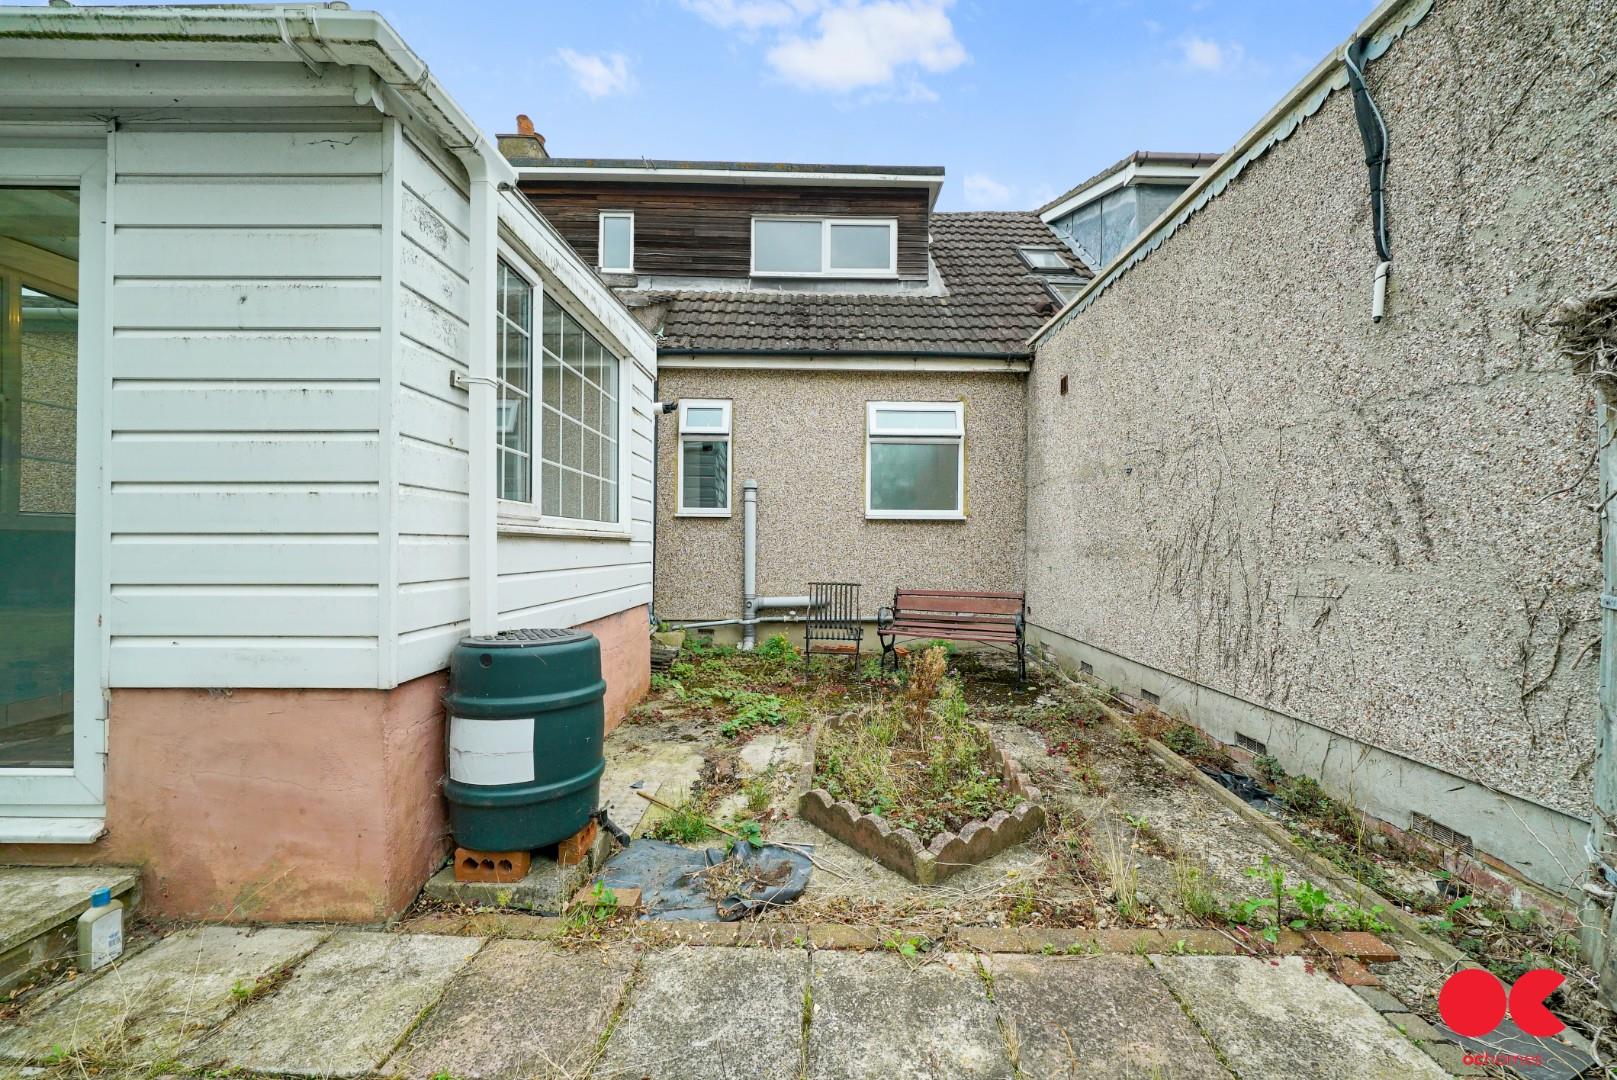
<point x="1017" y="99"/>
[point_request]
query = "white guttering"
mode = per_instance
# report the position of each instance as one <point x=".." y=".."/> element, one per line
<point x="1136" y="172"/>
<point x="1387" y="23"/>
<point x="839" y="362"/>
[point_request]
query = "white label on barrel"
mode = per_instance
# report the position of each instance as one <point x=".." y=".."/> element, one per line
<point x="490" y="752"/>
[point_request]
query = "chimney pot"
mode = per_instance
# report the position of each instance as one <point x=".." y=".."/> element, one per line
<point x="524" y="125"/>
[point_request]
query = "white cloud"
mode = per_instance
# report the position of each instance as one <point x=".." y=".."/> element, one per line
<point x="856" y="45"/>
<point x="983" y="190"/>
<point x="1205" y="54"/>
<point x="598" y="74"/>
<point x="845" y="45"/>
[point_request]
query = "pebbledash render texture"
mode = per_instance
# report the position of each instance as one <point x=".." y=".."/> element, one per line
<point x="801" y="435"/>
<point x="1381" y="529"/>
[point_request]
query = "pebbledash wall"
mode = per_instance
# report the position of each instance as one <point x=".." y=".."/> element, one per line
<point x="1368" y="546"/>
<point x="287" y="544"/>
<point x="801" y="435"/>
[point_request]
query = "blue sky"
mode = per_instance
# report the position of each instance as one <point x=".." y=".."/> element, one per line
<point x="1017" y="99"/>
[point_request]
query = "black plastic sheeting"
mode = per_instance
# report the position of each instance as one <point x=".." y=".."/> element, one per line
<point x="672" y="887"/>
<point x="1249" y="790"/>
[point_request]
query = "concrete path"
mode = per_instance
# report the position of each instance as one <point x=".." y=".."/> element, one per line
<point x="288" y="1002"/>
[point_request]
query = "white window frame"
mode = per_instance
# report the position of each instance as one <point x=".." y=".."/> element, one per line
<point x="719" y="433"/>
<point x="67" y="805"/>
<point x="826" y="270"/>
<point x="876" y="433"/>
<point x="600" y="242"/>
<point x="1027" y="251"/>
<point x="529" y="517"/>
<point x="530" y="279"/>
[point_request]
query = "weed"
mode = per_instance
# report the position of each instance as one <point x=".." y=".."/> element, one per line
<point x="685" y="824"/>
<point x="601" y="906"/>
<point x="750" y="832"/>
<point x="752" y="709"/>
<point x="1314" y="903"/>
<point x="1268" y="768"/>
<point x="1245" y="912"/>
<point x="1117" y="859"/>
<point x="909" y="947"/>
<point x="777" y="650"/>
<point x="1197" y="900"/>
<point x="759" y="791"/>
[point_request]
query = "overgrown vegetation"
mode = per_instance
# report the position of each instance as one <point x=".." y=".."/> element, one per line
<point x="916" y="759"/>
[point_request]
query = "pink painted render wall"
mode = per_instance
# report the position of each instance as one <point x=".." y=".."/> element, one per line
<point x="273" y="805"/>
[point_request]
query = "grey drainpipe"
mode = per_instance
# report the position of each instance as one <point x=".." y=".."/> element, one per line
<point x="751" y="602"/>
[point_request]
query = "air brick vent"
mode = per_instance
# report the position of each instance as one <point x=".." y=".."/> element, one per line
<point x="1149" y="696"/>
<point x="1086" y="667"/>
<point x="1425" y="826"/>
<point x="1247" y="742"/>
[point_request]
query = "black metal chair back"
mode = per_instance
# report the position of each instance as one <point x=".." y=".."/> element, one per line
<point x="833" y="615"/>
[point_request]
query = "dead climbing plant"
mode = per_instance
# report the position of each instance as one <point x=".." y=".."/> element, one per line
<point x="1586" y="331"/>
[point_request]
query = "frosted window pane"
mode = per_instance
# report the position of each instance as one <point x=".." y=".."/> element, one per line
<point x="861" y="247"/>
<point x="786" y="246"/>
<point x="914" y="476"/>
<point x="942" y="420"/>
<point x="704" y="418"/>
<point x="615" y="243"/>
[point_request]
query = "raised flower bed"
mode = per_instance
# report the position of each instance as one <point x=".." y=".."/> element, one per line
<point x="917" y="785"/>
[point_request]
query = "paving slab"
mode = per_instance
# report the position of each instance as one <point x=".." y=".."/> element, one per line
<point x="878" y="1016"/>
<point x="344" y="1009"/>
<point x="519" y="1009"/>
<point x="148" y="1007"/>
<point x="1283" y="1018"/>
<point x="1084" y="1016"/>
<point x="711" y="1014"/>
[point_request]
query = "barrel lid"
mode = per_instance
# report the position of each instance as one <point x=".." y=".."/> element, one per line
<point x="527" y="638"/>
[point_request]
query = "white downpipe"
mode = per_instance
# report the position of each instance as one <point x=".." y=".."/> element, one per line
<point x="749" y="563"/>
<point x="1378" y="298"/>
<point x="482" y="535"/>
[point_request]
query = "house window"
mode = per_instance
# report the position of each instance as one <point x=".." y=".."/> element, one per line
<point x="578" y="422"/>
<point x="1044" y="259"/>
<point x="915" y="459"/>
<point x="513" y="327"/>
<point x="704" y="458"/>
<point x="1064" y="290"/>
<point x="824" y="247"/>
<point x="617" y="242"/>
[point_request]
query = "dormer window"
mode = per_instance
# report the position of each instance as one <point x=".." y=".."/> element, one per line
<point x="1044" y="259"/>
<point x="824" y="247"/>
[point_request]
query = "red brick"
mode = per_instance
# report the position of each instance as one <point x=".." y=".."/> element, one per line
<point x="500" y="867"/>
<point x="576" y="848"/>
<point x="1353" y="973"/>
<point x="1368" y="947"/>
<point x="1328" y="942"/>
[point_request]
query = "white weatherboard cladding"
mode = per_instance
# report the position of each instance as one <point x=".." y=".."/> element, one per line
<point x="286" y="460"/>
<point x="244" y="402"/>
<point x="544" y="579"/>
<point x="491" y="752"/>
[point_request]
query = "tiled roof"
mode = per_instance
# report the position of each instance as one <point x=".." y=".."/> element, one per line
<point x="993" y="303"/>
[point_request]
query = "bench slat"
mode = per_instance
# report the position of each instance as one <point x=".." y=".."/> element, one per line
<point x="957" y="603"/>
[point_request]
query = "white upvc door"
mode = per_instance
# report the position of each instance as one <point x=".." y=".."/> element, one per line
<point x="52" y="778"/>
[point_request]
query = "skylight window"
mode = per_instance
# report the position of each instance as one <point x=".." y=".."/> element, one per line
<point x="1044" y="258"/>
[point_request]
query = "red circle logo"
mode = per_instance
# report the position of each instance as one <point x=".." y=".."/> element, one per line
<point x="1473" y="1002"/>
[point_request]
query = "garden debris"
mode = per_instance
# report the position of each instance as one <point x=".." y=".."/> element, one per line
<point x="1245" y="788"/>
<point x="711" y="885"/>
<point x="1529" y="1055"/>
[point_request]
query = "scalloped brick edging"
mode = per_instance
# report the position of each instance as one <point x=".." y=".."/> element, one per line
<point x="901" y="851"/>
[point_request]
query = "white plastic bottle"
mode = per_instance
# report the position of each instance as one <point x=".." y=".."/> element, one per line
<point x="101" y="931"/>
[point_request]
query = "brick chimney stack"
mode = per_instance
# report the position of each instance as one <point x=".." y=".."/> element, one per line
<point x="526" y="146"/>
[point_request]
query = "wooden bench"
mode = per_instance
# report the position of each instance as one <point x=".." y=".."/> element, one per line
<point x="992" y="618"/>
